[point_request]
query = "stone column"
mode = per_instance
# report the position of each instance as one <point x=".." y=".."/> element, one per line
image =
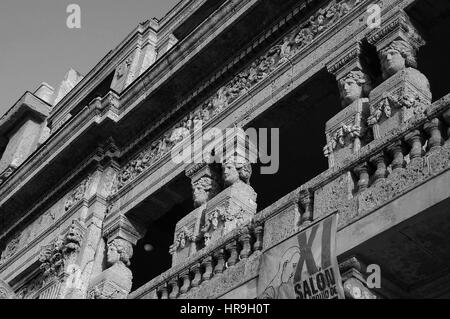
<point x="205" y="185"/>
<point x="347" y="131"/>
<point x="405" y="91"/>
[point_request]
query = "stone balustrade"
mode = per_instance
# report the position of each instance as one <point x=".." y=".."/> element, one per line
<point x="206" y="264"/>
<point x="381" y="171"/>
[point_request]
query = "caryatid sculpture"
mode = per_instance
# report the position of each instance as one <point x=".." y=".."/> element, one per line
<point x="346" y="131"/>
<point x="119" y="253"/>
<point x="235" y="205"/>
<point x="203" y="189"/>
<point x="115" y="282"/>
<point x="398" y="56"/>
<point x="355" y="85"/>
<point x="405" y="91"/>
<point x="236" y="170"/>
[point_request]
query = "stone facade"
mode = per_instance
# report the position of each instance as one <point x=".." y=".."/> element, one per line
<point x="75" y="212"/>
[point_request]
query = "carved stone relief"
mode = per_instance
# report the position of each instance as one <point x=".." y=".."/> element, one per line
<point x="115" y="282"/>
<point x="257" y="71"/>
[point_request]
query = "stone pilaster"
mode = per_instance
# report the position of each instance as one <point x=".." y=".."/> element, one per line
<point x="97" y="193"/>
<point x="405" y="91"/>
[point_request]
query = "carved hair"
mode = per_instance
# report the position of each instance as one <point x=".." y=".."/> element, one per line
<point x="124" y="249"/>
<point x="205" y="182"/>
<point x="406" y="50"/>
<point x="360" y="78"/>
<point x="243" y="167"/>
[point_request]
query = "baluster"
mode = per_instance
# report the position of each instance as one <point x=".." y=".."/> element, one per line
<point x="363" y="176"/>
<point x="175" y="289"/>
<point x="306" y="201"/>
<point x="196" y="269"/>
<point x="432" y="129"/>
<point x="258" y="245"/>
<point x="163" y="291"/>
<point x="244" y="239"/>
<point x="220" y="261"/>
<point x="396" y="151"/>
<point x="232" y="251"/>
<point x="379" y="161"/>
<point x="446" y="117"/>
<point x="207" y="264"/>
<point x="185" y="276"/>
<point x="414" y="139"/>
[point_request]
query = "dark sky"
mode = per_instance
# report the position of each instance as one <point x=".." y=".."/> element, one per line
<point x="36" y="45"/>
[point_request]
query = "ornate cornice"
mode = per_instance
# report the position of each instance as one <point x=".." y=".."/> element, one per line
<point x="399" y="25"/>
<point x="277" y="55"/>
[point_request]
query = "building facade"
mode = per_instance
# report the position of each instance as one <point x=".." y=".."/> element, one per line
<point x="93" y="204"/>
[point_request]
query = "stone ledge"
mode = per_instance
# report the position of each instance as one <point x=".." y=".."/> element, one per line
<point x="27" y="103"/>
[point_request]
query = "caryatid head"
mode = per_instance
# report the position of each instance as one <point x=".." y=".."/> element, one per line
<point x="236" y="169"/>
<point x="354" y="86"/>
<point x="396" y="57"/>
<point x="203" y="189"/>
<point x="119" y="250"/>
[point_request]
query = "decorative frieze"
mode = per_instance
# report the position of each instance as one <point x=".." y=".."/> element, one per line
<point x="11" y="248"/>
<point x="277" y="55"/>
<point x="77" y="194"/>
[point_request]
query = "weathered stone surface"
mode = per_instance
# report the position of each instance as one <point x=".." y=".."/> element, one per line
<point x="187" y="235"/>
<point x="115" y="282"/>
<point x="71" y="79"/>
<point x="401" y="97"/>
<point x="334" y="195"/>
<point x="230" y="279"/>
<point x="6" y="291"/>
<point x="232" y="208"/>
<point x="346" y="131"/>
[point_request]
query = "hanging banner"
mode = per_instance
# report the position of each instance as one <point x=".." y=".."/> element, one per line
<point x="303" y="266"/>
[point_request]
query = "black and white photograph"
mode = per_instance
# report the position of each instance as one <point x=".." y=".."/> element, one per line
<point x="236" y="151"/>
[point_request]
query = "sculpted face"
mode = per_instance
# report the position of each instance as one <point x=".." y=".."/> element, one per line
<point x="200" y="195"/>
<point x="392" y="62"/>
<point x="113" y="255"/>
<point x="230" y="174"/>
<point x="351" y="90"/>
<point x="201" y="190"/>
